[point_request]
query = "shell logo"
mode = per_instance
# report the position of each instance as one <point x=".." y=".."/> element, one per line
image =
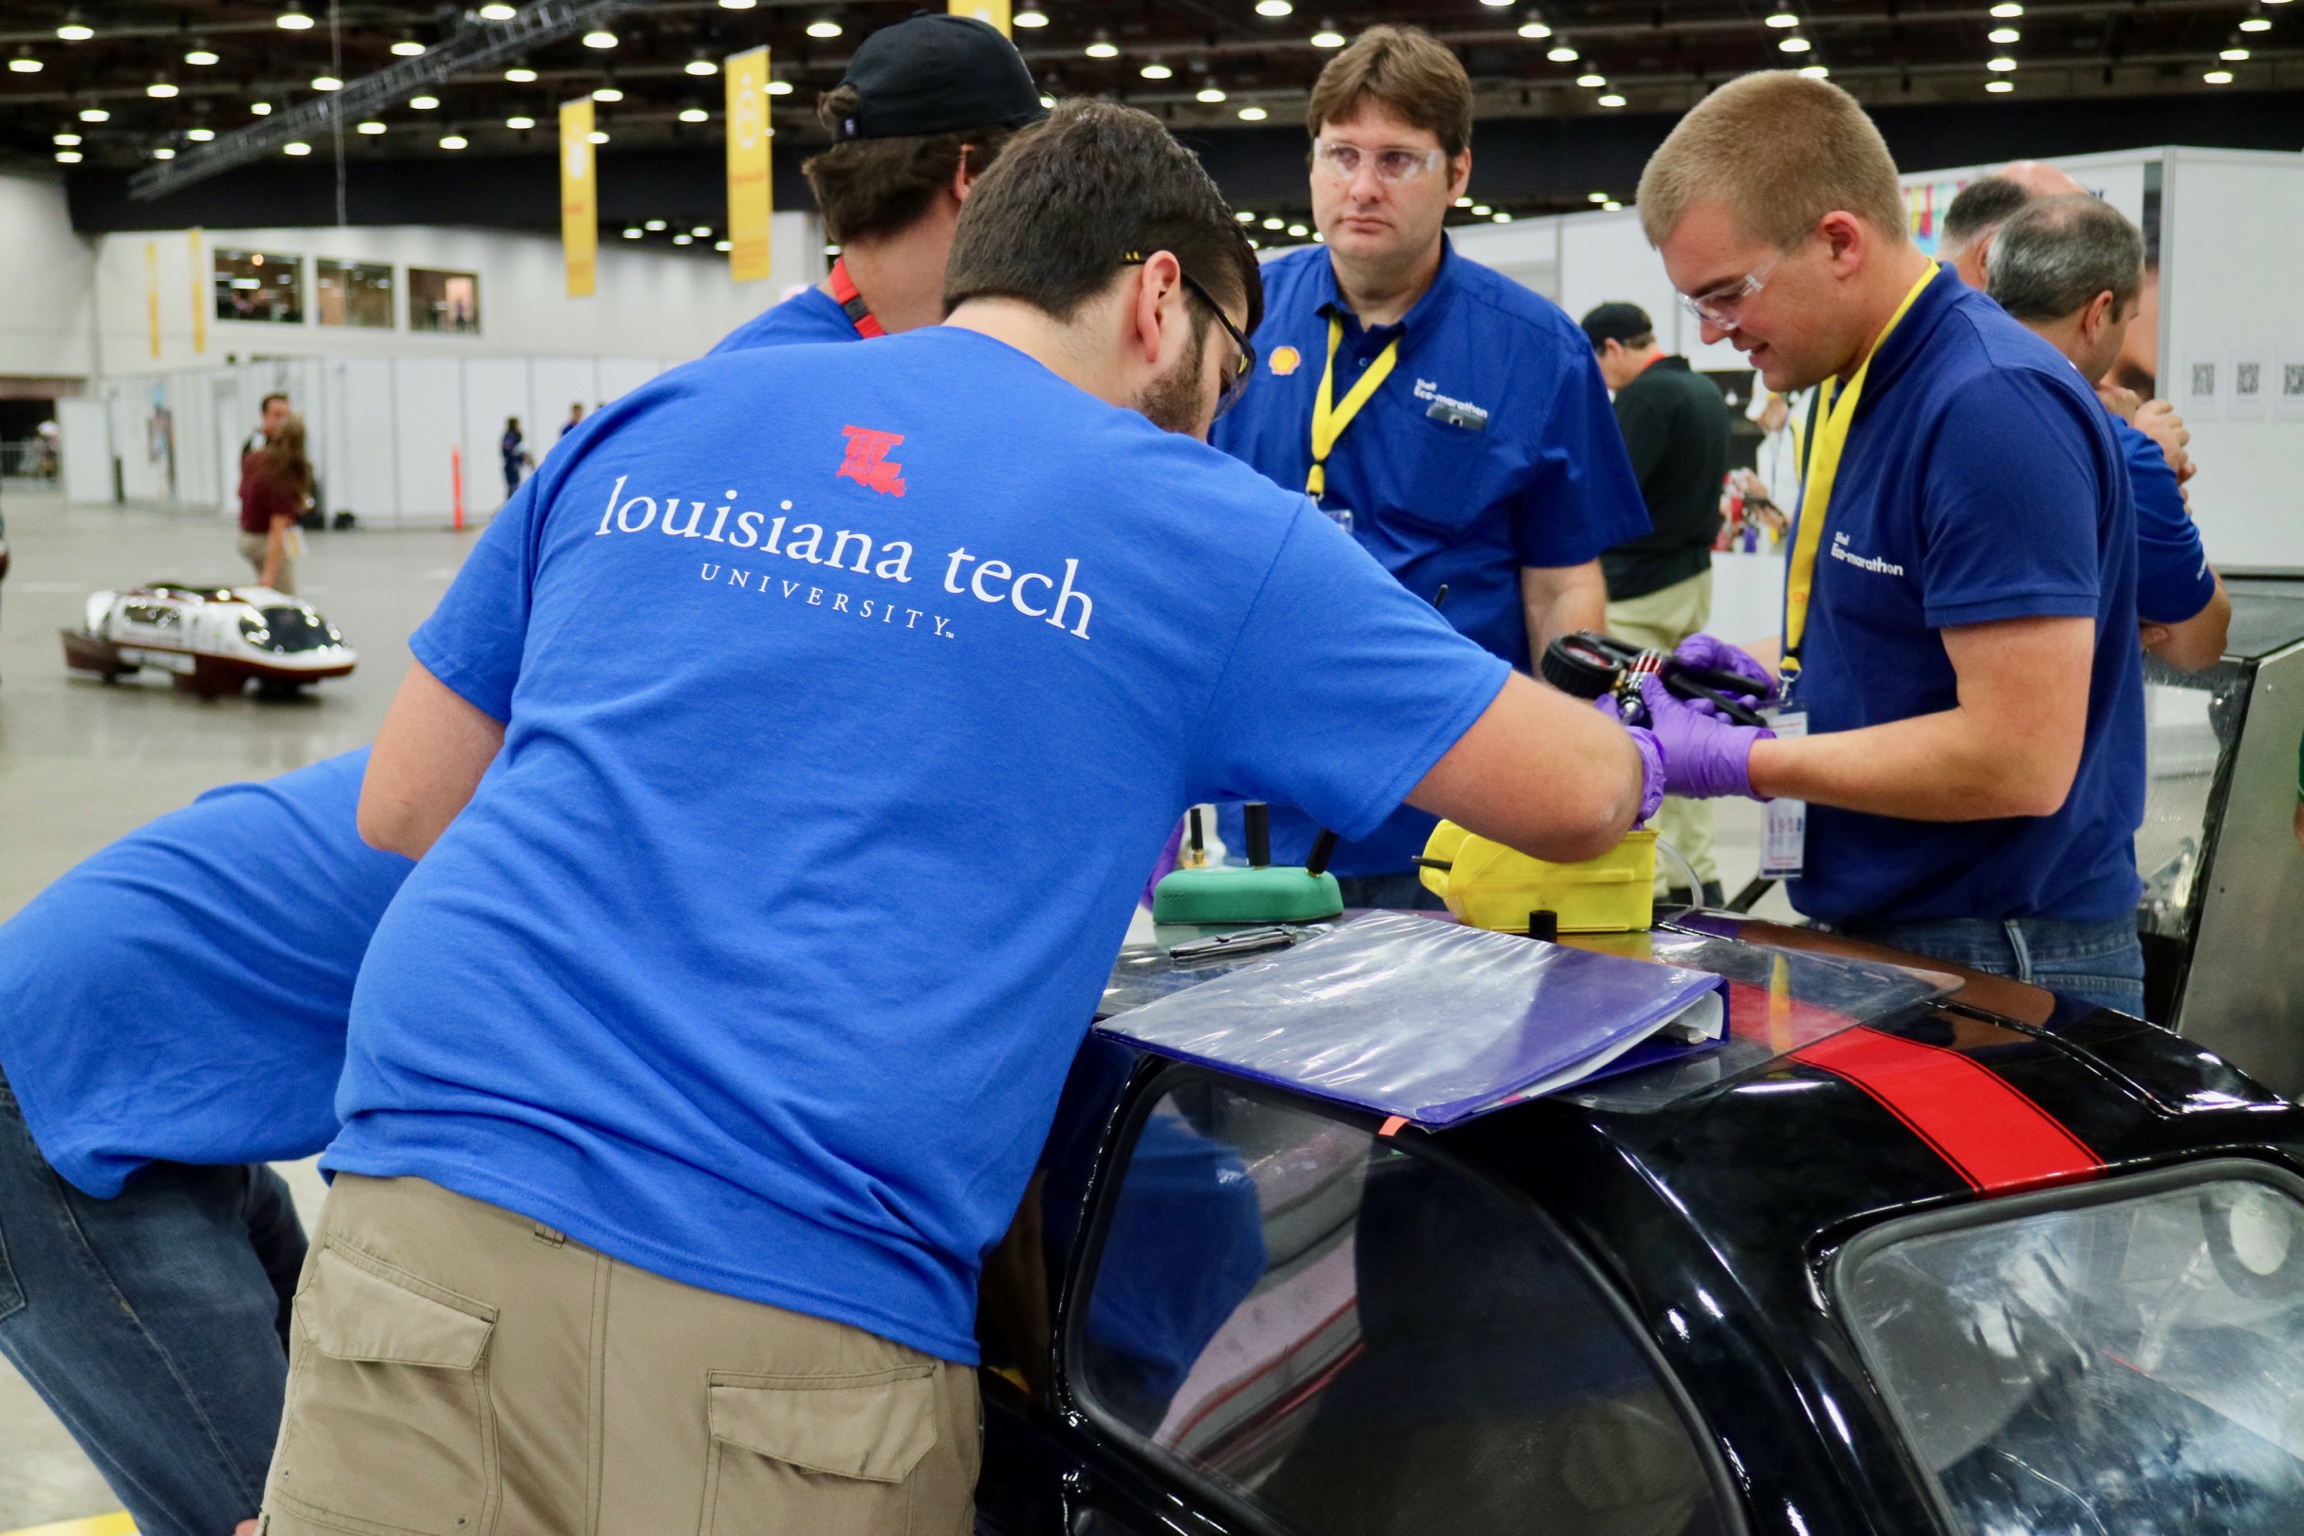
<point x="1285" y="360"/>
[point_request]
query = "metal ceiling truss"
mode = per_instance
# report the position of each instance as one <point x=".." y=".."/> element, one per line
<point x="475" y="45"/>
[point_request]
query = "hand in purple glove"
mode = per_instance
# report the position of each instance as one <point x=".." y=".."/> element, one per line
<point x="1651" y="760"/>
<point x="1702" y="650"/>
<point x="1704" y="756"/>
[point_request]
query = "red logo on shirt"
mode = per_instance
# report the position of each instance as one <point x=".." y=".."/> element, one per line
<point x="868" y="462"/>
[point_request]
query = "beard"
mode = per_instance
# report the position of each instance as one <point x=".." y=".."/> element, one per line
<point x="1172" y="402"/>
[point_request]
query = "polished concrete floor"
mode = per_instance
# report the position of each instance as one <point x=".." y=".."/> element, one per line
<point x="82" y="763"/>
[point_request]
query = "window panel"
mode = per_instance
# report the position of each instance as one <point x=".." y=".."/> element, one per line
<point x="447" y="302"/>
<point x="259" y="285"/>
<point x="354" y="293"/>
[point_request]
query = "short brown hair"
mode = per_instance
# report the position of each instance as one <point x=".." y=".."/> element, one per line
<point x="1782" y="151"/>
<point x="1406" y="71"/>
<point x="1079" y="195"/>
<point x="869" y="187"/>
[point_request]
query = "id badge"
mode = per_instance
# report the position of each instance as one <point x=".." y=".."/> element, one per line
<point x="1340" y="516"/>
<point x="1784" y="823"/>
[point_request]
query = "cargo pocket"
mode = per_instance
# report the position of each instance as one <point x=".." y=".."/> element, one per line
<point x="817" y="1455"/>
<point x="388" y="1427"/>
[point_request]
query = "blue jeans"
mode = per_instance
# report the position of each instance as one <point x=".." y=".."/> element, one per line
<point x="154" y="1324"/>
<point x="2100" y="964"/>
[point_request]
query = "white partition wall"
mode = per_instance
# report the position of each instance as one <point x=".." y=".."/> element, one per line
<point x="494" y="388"/>
<point x="428" y="418"/>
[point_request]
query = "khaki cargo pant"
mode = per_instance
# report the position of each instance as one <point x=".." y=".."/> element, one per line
<point x="1661" y="620"/>
<point x="460" y="1370"/>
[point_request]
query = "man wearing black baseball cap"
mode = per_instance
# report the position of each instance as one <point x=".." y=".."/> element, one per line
<point x="1660" y="585"/>
<point x="925" y="108"/>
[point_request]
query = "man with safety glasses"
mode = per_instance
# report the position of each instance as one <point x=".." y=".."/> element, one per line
<point x="1451" y="420"/>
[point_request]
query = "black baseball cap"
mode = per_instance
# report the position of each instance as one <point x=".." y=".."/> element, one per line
<point x="937" y="74"/>
<point x="1618" y="322"/>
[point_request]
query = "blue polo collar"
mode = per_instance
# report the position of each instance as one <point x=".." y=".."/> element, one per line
<point x="1422" y="319"/>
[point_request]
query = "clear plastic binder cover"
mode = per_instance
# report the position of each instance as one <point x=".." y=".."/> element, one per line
<point x="1404" y="1015"/>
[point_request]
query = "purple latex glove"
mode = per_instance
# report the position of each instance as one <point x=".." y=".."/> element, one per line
<point x="1702" y="650"/>
<point x="1651" y="760"/>
<point x="1705" y="756"/>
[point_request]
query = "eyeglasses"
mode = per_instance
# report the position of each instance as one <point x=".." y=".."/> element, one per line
<point x="1717" y="307"/>
<point x="1343" y="161"/>
<point x="1235" y="383"/>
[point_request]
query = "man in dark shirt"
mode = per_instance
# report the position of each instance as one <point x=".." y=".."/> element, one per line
<point x="1675" y="423"/>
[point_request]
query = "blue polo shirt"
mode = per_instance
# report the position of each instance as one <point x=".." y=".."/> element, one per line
<point x="1981" y="481"/>
<point x="834" y="758"/>
<point x="809" y="315"/>
<point x="180" y="996"/>
<point x="1491" y="446"/>
<point x="2173" y="582"/>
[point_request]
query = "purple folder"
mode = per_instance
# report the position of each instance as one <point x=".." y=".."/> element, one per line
<point x="1402" y="1015"/>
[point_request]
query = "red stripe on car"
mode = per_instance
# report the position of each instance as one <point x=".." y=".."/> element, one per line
<point x="1977" y="1121"/>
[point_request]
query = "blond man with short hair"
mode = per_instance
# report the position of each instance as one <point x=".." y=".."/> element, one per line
<point x="1466" y="440"/>
<point x="1962" y="633"/>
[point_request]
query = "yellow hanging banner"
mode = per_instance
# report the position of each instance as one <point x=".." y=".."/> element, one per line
<point x="152" y="291"/>
<point x="579" y="197"/>
<point x="991" y="12"/>
<point x="751" y="200"/>
<point x="199" y="294"/>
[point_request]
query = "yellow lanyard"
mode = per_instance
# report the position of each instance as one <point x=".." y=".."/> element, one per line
<point x="1330" y="419"/>
<point x="1834" y="414"/>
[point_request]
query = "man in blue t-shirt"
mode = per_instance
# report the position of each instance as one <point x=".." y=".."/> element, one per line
<point x="172" y="1018"/>
<point x="1962" y="633"/>
<point x="1470" y="446"/>
<point x="2071" y="268"/>
<point x="781" y="798"/>
<point x="924" y="109"/>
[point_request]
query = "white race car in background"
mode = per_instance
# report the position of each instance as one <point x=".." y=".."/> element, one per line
<point x="213" y="640"/>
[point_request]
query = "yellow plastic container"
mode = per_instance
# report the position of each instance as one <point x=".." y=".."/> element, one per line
<point x="1491" y="886"/>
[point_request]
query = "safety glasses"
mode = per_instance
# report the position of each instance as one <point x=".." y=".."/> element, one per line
<point x="1719" y="307"/>
<point x="1235" y="383"/>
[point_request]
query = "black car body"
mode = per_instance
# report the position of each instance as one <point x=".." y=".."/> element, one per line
<point x="1989" y="1265"/>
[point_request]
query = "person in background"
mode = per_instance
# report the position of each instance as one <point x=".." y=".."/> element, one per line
<point x="1450" y="419"/>
<point x="2070" y="268"/>
<point x="1961" y="632"/>
<point x="514" y="448"/>
<point x="575" y="417"/>
<point x="275" y="488"/>
<point x="272" y="415"/>
<point x="1974" y="217"/>
<point x="923" y="111"/>
<point x="174" y="1020"/>
<point x="1675" y="425"/>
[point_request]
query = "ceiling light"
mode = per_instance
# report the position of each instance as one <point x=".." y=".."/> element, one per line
<point x="73" y="30"/>
<point x="2234" y="54"/>
<point x="1999" y="87"/>
<point x="1156" y="71"/>
<point x="521" y="123"/>
<point x="200" y="135"/>
<point x="293" y="19"/>
<point x="201" y="54"/>
<point x="779" y="87"/>
<point x="24" y="63"/>
<point x="94" y="115"/>
<point x="694" y="115"/>
<point x="1275" y="223"/>
<point x="723" y="245"/>
<point x="161" y="90"/>
<point x="1101" y="48"/>
<point x="452" y="141"/>
<point x="1794" y="43"/>
<point x="1783" y="19"/>
<point x="67" y="140"/>
<point x="1591" y="82"/>
<point x="1298" y="230"/>
<point x="1030" y="16"/>
<point x="2007" y="10"/>
<point x="369" y="127"/>
<point x="418" y="103"/>
<point x="1534" y="29"/>
<point x="597" y="136"/>
<point x="1610" y="206"/>
<point x="2218" y="77"/>
<point x="1209" y="94"/>
<point x="1814" y="72"/>
<point x="1481" y="210"/>
<point x="2257" y="24"/>
<point x="683" y="239"/>
<point x="1496" y="4"/>
<point x="2004" y="35"/>
<point x="326" y="83"/>
<point x="1048" y="101"/>
<point x="1611" y="100"/>
<point x="1253" y="114"/>
<point x="601" y="37"/>
<point x="67" y="157"/>
<point x="520" y="74"/>
<point x="1597" y="197"/>
<point x="702" y="231"/>
<point x="259" y="109"/>
<point x="1562" y="53"/>
<point x="163" y="153"/>
<point x="299" y="147"/>
<point x="1242" y="216"/>
<point x="2001" y="65"/>
<point x="408" y="48"/>
<point x="823" y="26"/>
<point x="1252" y="244"/>
<point x="607" y="93"/>
<point x="1503" y="218"/>
<point x="1463" y="202"/>
<point x="700" y="65"/>
<point x="1327" y="36"/>
<point x="496" y="10"/>
<point x="1282" y="7"/>
<point x="738" y="5"/>
<point x="631" y="231"/>
<point x="654" y="225"/>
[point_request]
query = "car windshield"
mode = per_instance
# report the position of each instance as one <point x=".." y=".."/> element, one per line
<point x="289" y="629"/>
<point x="2129" y="1365"/>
